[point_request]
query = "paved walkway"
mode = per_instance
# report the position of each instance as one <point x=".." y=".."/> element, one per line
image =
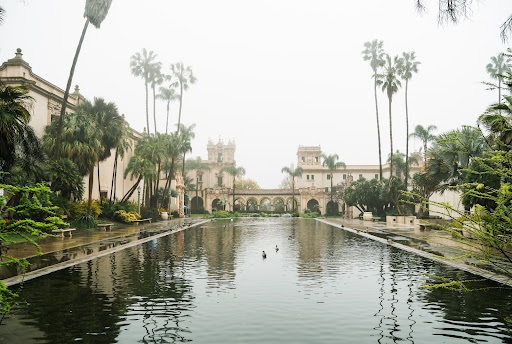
<point x="432" y="244"/>
<point x="59" y="253"/>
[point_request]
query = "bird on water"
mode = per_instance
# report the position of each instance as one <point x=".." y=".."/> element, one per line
<point x="264" y="255"/>
<point x="277" y="248"/>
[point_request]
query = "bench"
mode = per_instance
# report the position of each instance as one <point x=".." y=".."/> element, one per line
<point x="426" y="226"/>
<point x="63" y="231"/>
<point x="375" y="219"/>
<point x="106" y="226"/>
<point x="142" y="221"/>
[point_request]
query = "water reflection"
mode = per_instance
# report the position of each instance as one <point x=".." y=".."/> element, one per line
<point x="209" y="284"/>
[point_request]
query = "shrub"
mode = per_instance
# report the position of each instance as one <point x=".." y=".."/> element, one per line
<point x="175" y="214"/>
<point x="85" y="221"/>
<point x="77" y="209"/>
<point x="295" y="215"/>
<point x="126" y="217"/>
<point x="109" y="209"/>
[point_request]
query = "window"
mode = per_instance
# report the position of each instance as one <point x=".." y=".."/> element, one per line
<point x="312" y="177"/>
<point x="326" y="189"/>
<point x="376" y="176"/>
<point x="328" y="177"/>
<point x="200" y="177"/>
<point x="344" y="177"/>
<point x="360" y="176"/>
<point x="219" y="157"/>
<point x="316" y="159"/>
<point x="219" y="181"/>
<point x="302" y="159"/>
<point x="307" y="177"/>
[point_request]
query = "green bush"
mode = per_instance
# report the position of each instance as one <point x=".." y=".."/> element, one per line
<point x="77" y="209"/>
<point x="109" y="209"/>
<point x="125" y="217"/>
<point x="295" y="215"/>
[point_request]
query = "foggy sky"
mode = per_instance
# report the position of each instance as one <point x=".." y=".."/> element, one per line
<point x="271" y="74"/>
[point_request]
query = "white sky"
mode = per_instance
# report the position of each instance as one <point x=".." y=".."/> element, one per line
<point x="272" y="74"/>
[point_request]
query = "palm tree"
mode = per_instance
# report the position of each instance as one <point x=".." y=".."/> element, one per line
<point x="407" y="67"/>
<point x="400" y="163"/>
<point x="332" y="163"/>
<point x="124" y="144"/>
<point x="425" y="135"/>
<point x="234" y="172"/>
<point x="293" y="173"/>
<point x="142" y="65"/>
<point x="389" y="82"/>
<point x="497" y="119"/>
<point x="167" y="94"/>
<point x="188" y="134"/>
<point x="184" y="76"/>
<point x="157" y="78"/>
<point x="141" y="169"/>
<point x="95" y="13"/>
<point x="497" y="68"/>
<point x="374" y="53"/>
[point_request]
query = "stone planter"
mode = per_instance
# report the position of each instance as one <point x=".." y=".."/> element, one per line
<point x="164" y="215"/>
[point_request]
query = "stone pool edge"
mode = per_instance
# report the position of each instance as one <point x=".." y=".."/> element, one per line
<point x="456" y="264"/>
<point x="59" y="266"/>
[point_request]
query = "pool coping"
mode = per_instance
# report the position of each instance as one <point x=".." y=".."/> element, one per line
<point x="453" y="263"/>
<point x="11" y="281"/>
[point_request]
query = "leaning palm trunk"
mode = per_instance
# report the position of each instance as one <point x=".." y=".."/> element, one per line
<point x="131" y="190"/>
<point x="58" y="139"/>
<point x="378" y="125"/>
<point x="99" y="184"/>
<point x="168" y="182"/>
<point x="114" y="175"/>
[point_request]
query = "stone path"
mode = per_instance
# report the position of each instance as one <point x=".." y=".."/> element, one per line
<point x="435" y="245"/>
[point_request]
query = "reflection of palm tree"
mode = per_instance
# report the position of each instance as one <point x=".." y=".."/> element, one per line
<point x="95" y="13"/>
<point x="293" y="173"/>
<point x="374" y="53"/>
<point x="407" y="67"/>
<point x="389" y="82"/>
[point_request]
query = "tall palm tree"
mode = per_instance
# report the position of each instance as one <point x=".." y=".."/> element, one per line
<point x="297" y="172"/>
<point x="407" y="67"/>
<point x="374" y="53"/>
<point x="497" y="68"/>
<point x="332" y="163"/>
<point x="425" y="135"/>
<point x="167" y="94"/>
<point x="124" y="144"/>
<point x="184" y="77"/>
<point x="497" y="119"/>
<point x="234" y="172"/>
<point x="400" y="163"/>
<point x="188" y="134"/>
<point x="95" y="12"/>
<point x="142" y="66"/>
<point x="157" y="78"/>
<point x="390" y="83"/>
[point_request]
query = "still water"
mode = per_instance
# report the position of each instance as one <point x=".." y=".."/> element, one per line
<point x="210" y="284"/>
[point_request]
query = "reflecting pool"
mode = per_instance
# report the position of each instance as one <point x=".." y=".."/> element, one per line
<point x="210" y="284"/>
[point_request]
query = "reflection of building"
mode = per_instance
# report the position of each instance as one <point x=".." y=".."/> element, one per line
<point x="46" y="105"/>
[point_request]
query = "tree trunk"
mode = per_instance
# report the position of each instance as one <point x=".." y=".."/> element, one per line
<point x="114" y="174"/>
<point x="233" y="194"/>
<point x="293" y="195"/>
<point x="99" y="185"/>
<point x="91" y="182"/>
<point x="168" y="182"/>
<point x="378" y="126"/>
<point x="179" y="113"/>
<point x="131" y="191"/>
<point x="167" y="121"/>
<point x="147" y="103"/>
<point x="499" y="90"/>
<point x="407" y="138"/>
<point x="58" y="139"/>
<point x="390" y="139"/>
<point x="183" y="167"/>
<point x="154" y="106"/>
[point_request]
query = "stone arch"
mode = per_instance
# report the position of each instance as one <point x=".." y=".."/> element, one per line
<point x="196" y="203"/>
<point x="332" y="208"/>
<point x="265" y="204"/>
<point x="313" y="205"/>
<point x="217" y="204"/>
<point x="289" y="205"/>
<point x="240" y="204"/>
<point x="278" y="205"/>
<point x="252" y="204"/>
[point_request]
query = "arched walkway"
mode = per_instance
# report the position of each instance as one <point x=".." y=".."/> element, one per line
<point x="265" y="204"/>
<point x="332" y="208"/>
<point x="196" y="204"/>
<point x="278" y="205"/>
<point x="217" y="204"/>
<point x="289" y="205"/>
<point x="239" y="204"/>
<point x="252" y="204"/>
<point x="313" y="205"/>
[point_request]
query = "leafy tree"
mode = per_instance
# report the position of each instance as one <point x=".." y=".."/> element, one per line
<point x="498" y="68"/>
<point x="407" y="67"/>
<point x="425" y="184"/>
<point x="247" y="184"/>
<point x="390" y="83"/>
<point x="234" y="172"/>
<point x="142" y="65"/>
<point x="139" y="168"/>
<point x="425" y="135"/>
<point x="184" y="78"/>
<point x="332" y="163"/>
<point x="366" y="195"/>
<point x="167" y="94"/>
<point x="95" y="12"/>
<point x="498" y="122"/>
<point x="66" y="179"/>
<point x="297" y="172"/>
<point x="374" y="53"/>
<point x="400" y="163"/>
<point x="285" y="183"/>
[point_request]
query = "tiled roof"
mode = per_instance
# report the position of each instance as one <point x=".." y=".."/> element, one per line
<point x="266" y="192"/>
